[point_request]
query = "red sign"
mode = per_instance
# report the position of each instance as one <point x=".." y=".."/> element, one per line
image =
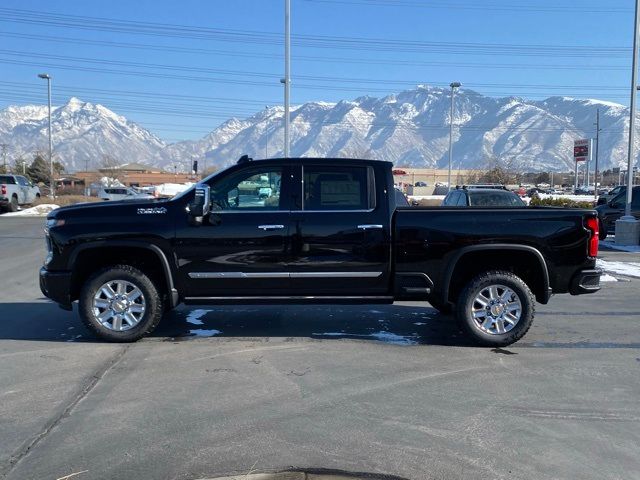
<point x="581" y="150"/>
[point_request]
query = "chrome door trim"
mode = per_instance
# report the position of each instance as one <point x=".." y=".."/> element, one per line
<point x="222" y="275"/>
<point x="270" y="227"/>
<point x="238" y="275"/>
<point x="335" y="274"/>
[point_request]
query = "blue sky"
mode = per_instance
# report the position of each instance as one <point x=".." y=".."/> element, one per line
<point x="180" y="68"/>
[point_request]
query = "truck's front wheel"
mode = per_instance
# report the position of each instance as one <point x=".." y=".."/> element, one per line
<point x="496" y="308"/>
<point x="120" y="304"/>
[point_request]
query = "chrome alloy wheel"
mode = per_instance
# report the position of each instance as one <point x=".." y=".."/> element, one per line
<point x="118" y="305"/>
<point x="496" y="309"/>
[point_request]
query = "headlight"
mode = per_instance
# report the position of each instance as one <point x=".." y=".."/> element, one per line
<point x="55" y="222"/>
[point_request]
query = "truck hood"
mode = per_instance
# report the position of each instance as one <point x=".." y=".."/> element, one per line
<point x="122" y="207"/>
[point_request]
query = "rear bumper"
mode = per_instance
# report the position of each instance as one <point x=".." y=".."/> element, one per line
<point x="56" y="286"/>
<point x="585" y="281"/>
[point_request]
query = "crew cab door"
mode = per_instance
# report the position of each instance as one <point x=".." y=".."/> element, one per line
<point x="23" y="190"/>
<point x="340" y="231"/>
<point x="240" y="248"/>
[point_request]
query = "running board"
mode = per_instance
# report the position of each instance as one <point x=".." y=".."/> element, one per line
<point x="291" y="300"/>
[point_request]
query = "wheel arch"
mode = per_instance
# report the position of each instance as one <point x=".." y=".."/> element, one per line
<point x="528" y="263"/>
<point x="128" y="251"/>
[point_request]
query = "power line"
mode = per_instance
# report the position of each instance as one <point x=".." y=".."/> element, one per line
<point x="307" y="58"/>
<point x="310" y="41"/>
<point x="155" y="66"/>
<point x="521" y="7"/>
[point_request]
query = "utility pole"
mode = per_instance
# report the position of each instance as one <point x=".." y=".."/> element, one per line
<point x="453" y="86"/>
<point x="595" y="182"/>
<point x="4" y="156"/>
<point x="287" y="72"/>
<point x="266" y="133"/>
<point x="52" y="185"/>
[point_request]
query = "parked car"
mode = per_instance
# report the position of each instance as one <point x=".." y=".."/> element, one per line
<point x="534" y="191"/>
<point x="614" y="209"/>
<point x="122" y="193"/>
<point x="421" y="184"/>
<point x="478" y="197"/>
<point x="331" y="233"/>
<point x="493" y="186"/>
<point x="15" y="191"/>
<point x="604" y="198"/>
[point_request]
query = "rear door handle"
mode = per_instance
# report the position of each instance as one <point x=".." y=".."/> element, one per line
<point x="270" y="227"/>
<point x="370" y="227"/>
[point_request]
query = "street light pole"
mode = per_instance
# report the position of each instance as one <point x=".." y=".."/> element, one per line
<point x="595" y="183"/>
<point x="632" y="113"/>
<point x="453" y="86"/>
<point x="47" y="77"/>
<point x="287" y="72"/>
<point x="628" y="227"/>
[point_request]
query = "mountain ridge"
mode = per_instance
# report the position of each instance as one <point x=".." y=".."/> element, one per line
<point x="410" y="128"/>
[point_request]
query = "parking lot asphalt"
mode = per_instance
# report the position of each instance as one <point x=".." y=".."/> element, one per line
<point x="383" y="389"/>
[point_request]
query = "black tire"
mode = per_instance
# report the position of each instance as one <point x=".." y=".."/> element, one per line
<point x="444" y="308"/>
<point x="13" y="204"/>
<point x="467" y="300"/>
<point x="153" y="303"/>
<point x="602" y="230"/>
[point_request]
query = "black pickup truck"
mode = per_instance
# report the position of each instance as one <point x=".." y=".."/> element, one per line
<point x="313" y="231"/>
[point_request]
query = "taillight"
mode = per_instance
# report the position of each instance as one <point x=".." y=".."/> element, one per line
<point x="3" y="189"/>
<point x="592" y="225"/>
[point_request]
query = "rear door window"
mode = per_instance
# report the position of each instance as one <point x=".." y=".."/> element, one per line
<point x="7" y="180"/>
<point x="338" y="188"/>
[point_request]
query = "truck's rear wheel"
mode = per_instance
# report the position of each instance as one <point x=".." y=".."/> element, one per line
<point x="13" y="204"/>
<point x="496" y="308"/>
<point x="120" y="304"/>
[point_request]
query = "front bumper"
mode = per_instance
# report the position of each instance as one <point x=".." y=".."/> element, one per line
<point x="56" y="286"/>
<point x="585" y="281"/>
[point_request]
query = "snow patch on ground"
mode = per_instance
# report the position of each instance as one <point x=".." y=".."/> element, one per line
<point x="199" y="332"/>
<point x="610" y="242"/>
<point x="628" y="269"/>
<point x="37" y="211"/>
<point x="607" y="278"/>
<point x="386" y="337"/>
<point x="194" y="316"/>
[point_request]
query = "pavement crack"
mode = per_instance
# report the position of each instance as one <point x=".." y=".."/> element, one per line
<point x="87" y="385"/>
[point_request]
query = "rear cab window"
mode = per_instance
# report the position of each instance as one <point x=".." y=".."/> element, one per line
<point x="328" y="188"/>
<point x="7" y="180"/>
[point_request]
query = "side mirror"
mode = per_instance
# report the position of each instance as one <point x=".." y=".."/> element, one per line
<point x="199" y="208"/>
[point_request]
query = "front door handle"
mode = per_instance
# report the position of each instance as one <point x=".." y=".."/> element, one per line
<point x="270" y="227"/>
<point x="370" y="227"/>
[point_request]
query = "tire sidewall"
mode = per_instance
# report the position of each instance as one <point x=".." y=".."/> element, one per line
<point x="483" y="281"/>
<point x="153" y="303"/>
<point x="13" y="204"/>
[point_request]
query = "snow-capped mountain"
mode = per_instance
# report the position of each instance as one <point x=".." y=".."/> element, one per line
<point x="82" y="134"/>
<point x="410" y="128"/>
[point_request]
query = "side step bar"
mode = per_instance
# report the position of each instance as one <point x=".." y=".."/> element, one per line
<point x="290" y="300"/>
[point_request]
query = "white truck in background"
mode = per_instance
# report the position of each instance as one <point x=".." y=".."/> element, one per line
<point x="15" y="191"/>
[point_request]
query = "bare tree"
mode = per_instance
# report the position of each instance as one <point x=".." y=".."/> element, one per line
<point x="111" y="168"/>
